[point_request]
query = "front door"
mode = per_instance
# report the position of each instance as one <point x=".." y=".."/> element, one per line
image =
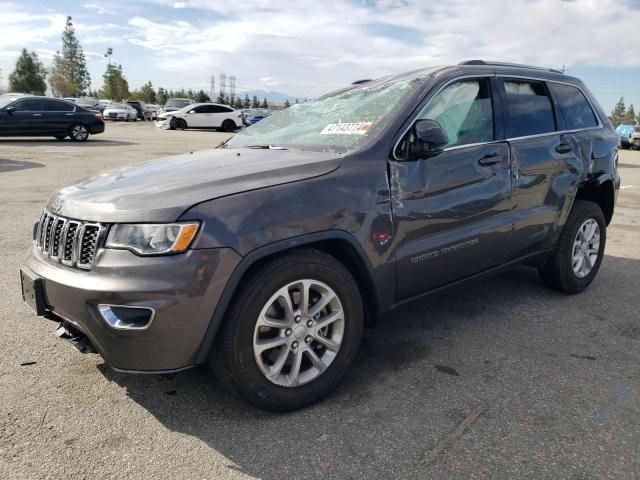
<point x="452" y="209"/>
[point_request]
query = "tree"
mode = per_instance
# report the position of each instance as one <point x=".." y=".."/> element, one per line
<point x="201" y="97"/>
<point x="246" y="103"/>
<point x="69" y="75"/>
<point x="162" y="96"/>
<point x="618" y="112"/>
<point x="29" y="75"/>
<point x="148" y="93"/>
<point x="629" y="117"/>
<point x="254" y="102"/>
<point x="287" y="104"/>
<point x="264" y="103"/>
<point x="239" y="103"/>
<point x="115" y="86"/>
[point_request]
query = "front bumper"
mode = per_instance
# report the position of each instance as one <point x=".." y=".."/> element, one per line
<point x="183" y="290"/>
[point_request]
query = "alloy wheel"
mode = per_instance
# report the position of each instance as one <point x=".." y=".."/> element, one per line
<point x="298" y="333"/>
<point x="586" y="247"/>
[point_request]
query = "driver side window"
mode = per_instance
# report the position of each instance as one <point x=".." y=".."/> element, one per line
<point x="464" y="110"/>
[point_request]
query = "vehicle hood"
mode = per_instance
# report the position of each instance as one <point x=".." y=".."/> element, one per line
<point x="161" y="190"/>
<point x="115" y="110"/>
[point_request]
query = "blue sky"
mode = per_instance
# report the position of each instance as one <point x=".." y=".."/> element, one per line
<point x="306" y="47"/>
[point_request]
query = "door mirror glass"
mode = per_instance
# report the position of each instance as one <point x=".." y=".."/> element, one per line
<point x="430" y="138"/>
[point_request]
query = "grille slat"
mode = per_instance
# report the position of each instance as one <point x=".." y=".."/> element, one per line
<point x="71" y="242"/>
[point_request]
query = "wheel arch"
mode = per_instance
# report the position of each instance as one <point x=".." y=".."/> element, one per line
<point x="600" y="191"/>
<point x="337" y="243"/>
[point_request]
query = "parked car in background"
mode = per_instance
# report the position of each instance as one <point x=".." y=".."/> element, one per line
<point x="267" y="257"/>
<point x="143" y="112"/>
<point x="624" y="132"/>
<point x="69" y="99"/>
<point x="91" y="103"/>
<point x="152" y="111"/>
<point x="201" y="115"/>
<point x="634" y="138"/>
<point x="174" y="104"/>
<point x="255" y="116"/>
<point x="41" y="116"/>
<point x="120" y="111"/>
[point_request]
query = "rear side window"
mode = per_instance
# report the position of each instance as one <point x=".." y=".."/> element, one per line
<point x="575" y="108"/>
<point x="529" y="109"/>
<point x="57" y="106"/>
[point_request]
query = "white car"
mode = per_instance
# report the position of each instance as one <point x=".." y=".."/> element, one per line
<point x="201" y="115"/>
<point x="120" y="111"/>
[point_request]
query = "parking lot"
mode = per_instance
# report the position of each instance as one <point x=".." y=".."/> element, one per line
<point x="498" y="379"/>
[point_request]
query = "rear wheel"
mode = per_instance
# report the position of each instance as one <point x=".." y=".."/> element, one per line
<point x="79" y="132"/>
<point x="580" y="250"/>
<point x="179" y="124"/>
<point x="228" y="125"/>
<point x="291" y="333"/>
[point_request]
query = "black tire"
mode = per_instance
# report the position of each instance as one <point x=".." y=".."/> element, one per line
<point x="228" y="125"/>
<point x="180" y="124"/>
<point x="79" y="132"/>
<point x="232" y="358"/>
<point x="557" y="273"/>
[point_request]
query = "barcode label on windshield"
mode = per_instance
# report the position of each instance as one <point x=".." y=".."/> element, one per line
<point x="359" y="128"/>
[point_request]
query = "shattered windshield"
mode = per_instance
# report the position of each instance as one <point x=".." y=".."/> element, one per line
<point x="337" y="122"/>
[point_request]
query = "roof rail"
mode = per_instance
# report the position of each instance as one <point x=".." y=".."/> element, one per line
<point x="360" y="82"/>
<point x="506" y="64"/>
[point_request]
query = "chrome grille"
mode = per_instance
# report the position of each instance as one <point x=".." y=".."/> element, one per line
<point x="71" y="242"/>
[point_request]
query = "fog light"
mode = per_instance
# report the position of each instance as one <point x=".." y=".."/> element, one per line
<point x="125" y="317"/>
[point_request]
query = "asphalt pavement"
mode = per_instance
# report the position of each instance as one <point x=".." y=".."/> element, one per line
<point x="500" y="379"/>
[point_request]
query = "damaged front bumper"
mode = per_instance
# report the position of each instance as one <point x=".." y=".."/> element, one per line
<point x="141" y="314"/>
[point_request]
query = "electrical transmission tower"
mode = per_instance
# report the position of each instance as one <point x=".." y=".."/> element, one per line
<point x="213" y="86"/>
<point x="232" y="88"/>
<point x="223" y="85"/>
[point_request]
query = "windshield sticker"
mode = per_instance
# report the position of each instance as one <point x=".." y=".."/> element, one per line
<point x="359" y="128"/>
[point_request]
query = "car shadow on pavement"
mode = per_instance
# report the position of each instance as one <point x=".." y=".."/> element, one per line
<point x="419" y="375"/>
<point x="13" y="165"/>
<point x="37" y="142"/>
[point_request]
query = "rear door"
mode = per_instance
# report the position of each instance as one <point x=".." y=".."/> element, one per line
<point x="221" y="113"/>
<point x="452" y="210"/>
<point x="57" y="116"/>
<point x="544" y="161"/>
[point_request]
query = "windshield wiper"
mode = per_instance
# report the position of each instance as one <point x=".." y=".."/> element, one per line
<point x="268" y="147"/>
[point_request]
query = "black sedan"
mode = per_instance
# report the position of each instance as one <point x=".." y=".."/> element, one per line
<point x="31" y="116"/>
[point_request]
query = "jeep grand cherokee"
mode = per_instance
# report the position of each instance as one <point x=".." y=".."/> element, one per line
<point x="267" y="257"/>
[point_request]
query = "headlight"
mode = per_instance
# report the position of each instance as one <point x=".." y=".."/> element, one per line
<point x="152" y="239"/>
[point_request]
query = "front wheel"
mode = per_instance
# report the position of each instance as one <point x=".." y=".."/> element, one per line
<point x="580" y="250"/>
<point x="79" y="132"/>
<point x="180" y="124"/>
<point x="291" y="333"/>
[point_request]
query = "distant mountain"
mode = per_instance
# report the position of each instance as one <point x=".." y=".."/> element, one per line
<point x="269" y="95"/>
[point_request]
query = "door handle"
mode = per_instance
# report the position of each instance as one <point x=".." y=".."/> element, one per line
<point x="564" y="148"/>
<point x="37" y="114"/>
<point x="489" y="159"/>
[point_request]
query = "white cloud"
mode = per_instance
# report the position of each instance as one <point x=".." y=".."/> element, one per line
<point x="100" y="10"/>
<point x="308" y="47"/>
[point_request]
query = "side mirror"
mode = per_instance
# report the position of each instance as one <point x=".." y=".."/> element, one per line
<point x="429" y="138"/>
<point x="10" y="110"/>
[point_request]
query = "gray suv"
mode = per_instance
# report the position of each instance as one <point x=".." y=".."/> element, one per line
<point x="266" y="257"/>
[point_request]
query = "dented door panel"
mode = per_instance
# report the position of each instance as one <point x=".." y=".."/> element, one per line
<point x="452" y="215"/>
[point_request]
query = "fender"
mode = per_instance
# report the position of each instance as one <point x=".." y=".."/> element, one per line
<point x="262" y="252"/>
